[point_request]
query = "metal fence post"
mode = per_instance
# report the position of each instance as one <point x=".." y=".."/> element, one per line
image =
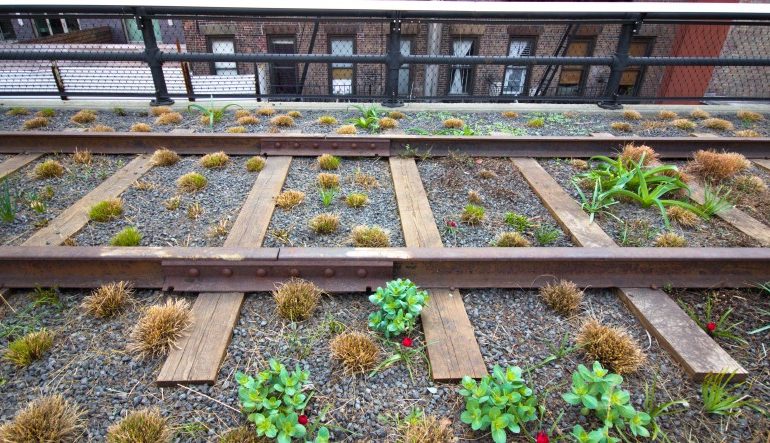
<point x="619" y="64"/>
<point x="152" y="54"/>
<point x="393" y="64"/>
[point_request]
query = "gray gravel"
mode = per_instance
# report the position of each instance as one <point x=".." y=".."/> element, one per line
<point x="382" y="209"/>
<point x="221" y="199"/>
<point x="77" y="181"/>
<point x="448" y="181"/>
<point x="644" y="224"/>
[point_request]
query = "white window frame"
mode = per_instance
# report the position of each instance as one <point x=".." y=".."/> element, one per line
<point x="517" y="47"/>
<point x="223" y="68"/>
<point x="342" y="86"/>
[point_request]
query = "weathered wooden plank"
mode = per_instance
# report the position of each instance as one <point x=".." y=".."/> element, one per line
<point x="450" y="340"/>
<point x="762" y="163"/>
<point x="417" y="220"/>
<point x="251" y="225"/>
<point x="698" y="354"/>
<point x="202" y="351"/>
<point x="564" y="208"/>
<point x="75" y="217"/>
<point x="735" y="217"/>
<point x="16" y="162"/>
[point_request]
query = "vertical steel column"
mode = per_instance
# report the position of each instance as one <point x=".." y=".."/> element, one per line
<point x="619" y="64"/>
<point x="152" y="54"/>
<point x="393" y="64"/>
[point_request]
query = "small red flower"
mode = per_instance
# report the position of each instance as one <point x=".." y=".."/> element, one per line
<point x="302" y="419"/>
<point x="407" y="342"/>
<point x="451" y="224"/>
<point x="541" y="437"/>
<point x="711" y="326"/>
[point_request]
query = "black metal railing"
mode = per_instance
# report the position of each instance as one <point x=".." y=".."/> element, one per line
<point x="496" y="52"/>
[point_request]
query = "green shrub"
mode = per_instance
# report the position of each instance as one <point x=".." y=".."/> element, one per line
<point x="127" y="237"/>
<point x="106" y="210"/>
<point x="500" y="403"/>
<point x="401" y="303"/>
<point x="472" y="214"/>
<point x="518" y="222"/>
<point x="24" y="350"/>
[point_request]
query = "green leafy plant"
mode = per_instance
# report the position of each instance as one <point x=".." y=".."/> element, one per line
<point x="274" y="401"/>
<point x="719" y="396"/>
<point x="518" y="222"/>
<point x="400" y="303"/>
<point x="369" y="118"/>
<point x="720" y="327"/>
<point x="598" y="203"/>
<point x="8" y="203"/>
<point x="328" y="195"/>
<point x="409" y="355"/>
<point x="715" y="200"/>
<point x="465" y="131"/>
<point x="599" y="390"/>
<point x="657" y="410"/>
<point x="213" y="113"/>
<point x="547" y="234"/>
<point x="500" y="402"/>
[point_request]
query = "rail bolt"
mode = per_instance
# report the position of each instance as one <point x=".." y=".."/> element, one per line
<point x="261" y="272"/>
<point x="329" y="272"/>
<point x="193" y="272"/>
<point x="294" y="272"/>
<point x="361" y="272"/>
<point x="227" y="272"/>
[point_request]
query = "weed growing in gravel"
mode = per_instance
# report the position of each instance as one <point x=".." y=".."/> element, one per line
<point x="407" y="353"/>
<point x="82" y="157"/>
<point x="454" y="123"/>
<point x="499" y="403"/>
<point x="28" y="348"/>
<point x="718" y="124"/>
<point x="388" y="123"/>
<point x="683" y="124"/>
<point x="511" y="240"/>
<point x="630" y="114"/>
<point x="289" y="199"/>
<point x="347" y="130"/>
<point x="328" y="195"/>
<point x="715" y="167"/>
<point x="400" y="304"/>
<point x="519" y="222"/>
<point x="599" y="391"/>
<point x="487" y="174"/>
<point x="328" y="162"/>
<point x="83" y="116"/>
<point x="215" y="160"/>
<point x="129" y="236"/>
<point x="327" y="120"/>
<point x="611" y="346"/>
<point x="159" y="328"/>
<point x="143" y="185"/>
<point x="369" y="237"/>
<point x="16" y="111"/>
<point x="219" y="229"/>
<point x="144" y="425"/>
<point x="101" y="128"/>
<point x="657" y="410"/>
<point x="682" y="217"/>
<point x="667" y="115"/>
<point x="563" y="297"/>
<point x="212" y="114"/>
<point x="621" y="126"/>
<point x="191" y="182"/>
<point x="157" y="111"/>
<point x="172" y="203"/>
<point x="537" y="122"/>
<point x="8" y="203"/>
<point x="546" y="234"/>
<point x="34" y="123"/>
<point x="719" y="398"/>
<point x="120" y="112"/>
<point x="510" y="114"/>
<point x="45" y="297"/>
<point x="282" y="121"/>
<point x="472" y="215"/>
<point x="296" y="299"/>
<point x="236" y="130"/>
<point x="108" y="300"/>
<point x="194" y="211"/>
<point x="45" y="419"/>
<point x="721" y="327"/>
<point x="164" y="157"/>
<point x="294" y="114"/>
<point x="748" y="133"/>
<point x="247" y="120"/>
<point x="266" y="111"/>
<point x="328" y="181"/>
<point x="106" y="210"/>
<point x="670" y="240"/>
<point x="325" y="223"/>
<point x="749" y="117"/>
<point x="255" y="164"/>
<point x="356" y="200"/>
<point x="699" y="114"/>
<point x="474" y="197"/>
<point x="170" y="118"/>
<point x="241" y="434"/>
<point x="49" y="169"/>
<point x="417" y="427"/>
<point x="369" y="119"/>
<point x="357" y="352"/>
<point x="750" y="184"/>
<point x="579" y="164"/>
<point x="366" y="181"/>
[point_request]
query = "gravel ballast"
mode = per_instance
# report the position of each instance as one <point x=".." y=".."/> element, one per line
<point x="381" y="210"/>
<point x="76" y="182"/>
<point x="146" y="209"/>
<point x="447" y="182"/>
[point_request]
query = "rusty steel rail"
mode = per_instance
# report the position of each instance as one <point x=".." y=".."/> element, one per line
<point x="359" y="269"/>
<point x="370" y="145"/>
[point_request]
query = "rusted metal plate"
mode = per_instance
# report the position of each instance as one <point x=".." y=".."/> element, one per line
<point x="262" y="275"/>
<point x="349" y="146"/>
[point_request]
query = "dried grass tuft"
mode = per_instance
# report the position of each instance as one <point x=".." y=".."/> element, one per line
<point x="46" y="419"/>
<point x="454" y="123"/>
<point x="357" y="352"/>
<point x="749" y="116"/>
<point x="34" y="123"/>
<point x="510" y="114"/>
<point x="171" y="118"/>
<point x="247" y="120"/>
<point x="634" y="153"/>
<point x="621" y="126"/>
<point x="667" y="115"/>
<point x="82" y="157"/>
<point x="255" y="164"/>
<point x="715" y="166"/>
<point x="747" y="133"/>
<point x="670" y="240"/>
<point x="328" y="181"/>
<point x="356" y="200"/>
<point x="718" y="124"/>
<point x="563" y="297"/>
<point x="101" y="128"/>
<point x="327" y="120"/>
<point x="28" y="348"/>
<point x="511" y="240"/>
<point x="142" y="426"/>
<point x="294" y="114"/>
<point x="215" y="160"/>
<point x="240" y="113"/>
<point x="699" y="114"/>
<point x="242" y="434"/>
<point x="164" y="157"/>
<point x="108" y="300"/>
<point x="49" y="169"/>
<point x="157" y="111"/>
<point x="612" y="346"/>
<point x="160" y="328"/>
<point x="682" y="216"/>
<point x="236" y="130"/>
<point x="191" y="182"/>
<point x="426" y="429"/>
<point x="141" y="127"/>
<point x="388" y="123"/>
<point x="289" y="199"/>
<point x="282" y="121"/>
<point x="296" y="299"/>
<point x="370" y="237"/>
<point x="347" y="130"/>
<point x="328" y="162"/>
<point x="630" y="114"/>
<point x="396" y="115"/>
<point x="578" y="163"/>
<point x="83" y="116"/>
<point x="750" y="184"/>
<point x="325" y="223"/>
<point x="266" y="111"/>
<point x="683" y="124"/>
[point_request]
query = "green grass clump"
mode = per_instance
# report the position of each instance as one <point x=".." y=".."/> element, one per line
<point x="370" y="237"/>
<point x="46" y="112"/>
<point x="49" y="169"/>
<point x="537" y="122"/>
<point x="328" y="162"/>
<point x="16" y="110"/>
<point x="191" y="182"/>
<point x="127" y="237"/>
<point x="325" y="223"/>
<point x="511" y="240"/>
<point x="255" y="164"/>
<point x="472" y="214"/>
<point x="24" y="350"/>
<point x="356" y="200"/>
<point x="519" y="222"/>
<point x="144" y="425"/>
<point x="106" y="210"/>
<point x="327" y="120"/>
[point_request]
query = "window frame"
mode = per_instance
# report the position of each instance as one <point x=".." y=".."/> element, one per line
<point x="210" y="48"/>
<point x="471" y="68"/>
<point x="270" y="39"/>
<point x="158" y="34"/>
<point x="591" y="40"/>
<point x="409" y="66"/>
<point x="64" y="25"/>
<point x="642" y="69"/>
<point x="532" y="39"/>
<point x="330" y="68"/>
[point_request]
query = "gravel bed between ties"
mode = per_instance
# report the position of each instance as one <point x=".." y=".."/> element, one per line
<point x="447" y="182"/>
<point x="381" y="210"/>
<point x="644" y="224"/>
<point x="482" y="123"/>
<point x="77" y="181"/>
<point x="145" y="209"/>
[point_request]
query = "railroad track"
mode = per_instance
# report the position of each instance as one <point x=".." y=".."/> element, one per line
<point x="223" y="275"/>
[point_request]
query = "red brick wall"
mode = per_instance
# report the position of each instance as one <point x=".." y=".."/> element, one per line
<point x="102" y="34"/>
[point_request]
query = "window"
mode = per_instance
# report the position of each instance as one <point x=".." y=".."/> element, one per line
<point x="223" y="45"/>
<point x="572" y="78"/>
<point x="460" y="75"/>
<point x="516" y="77"/>
<point x="632" y="77"/>
<point x="405" y="73"/>
<point x="6" y="30"/>
<point x="134" y="34"/>
<point x="53" y="26"/>
<point x="283" y="76"/>
<point x="342" y="74"/>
